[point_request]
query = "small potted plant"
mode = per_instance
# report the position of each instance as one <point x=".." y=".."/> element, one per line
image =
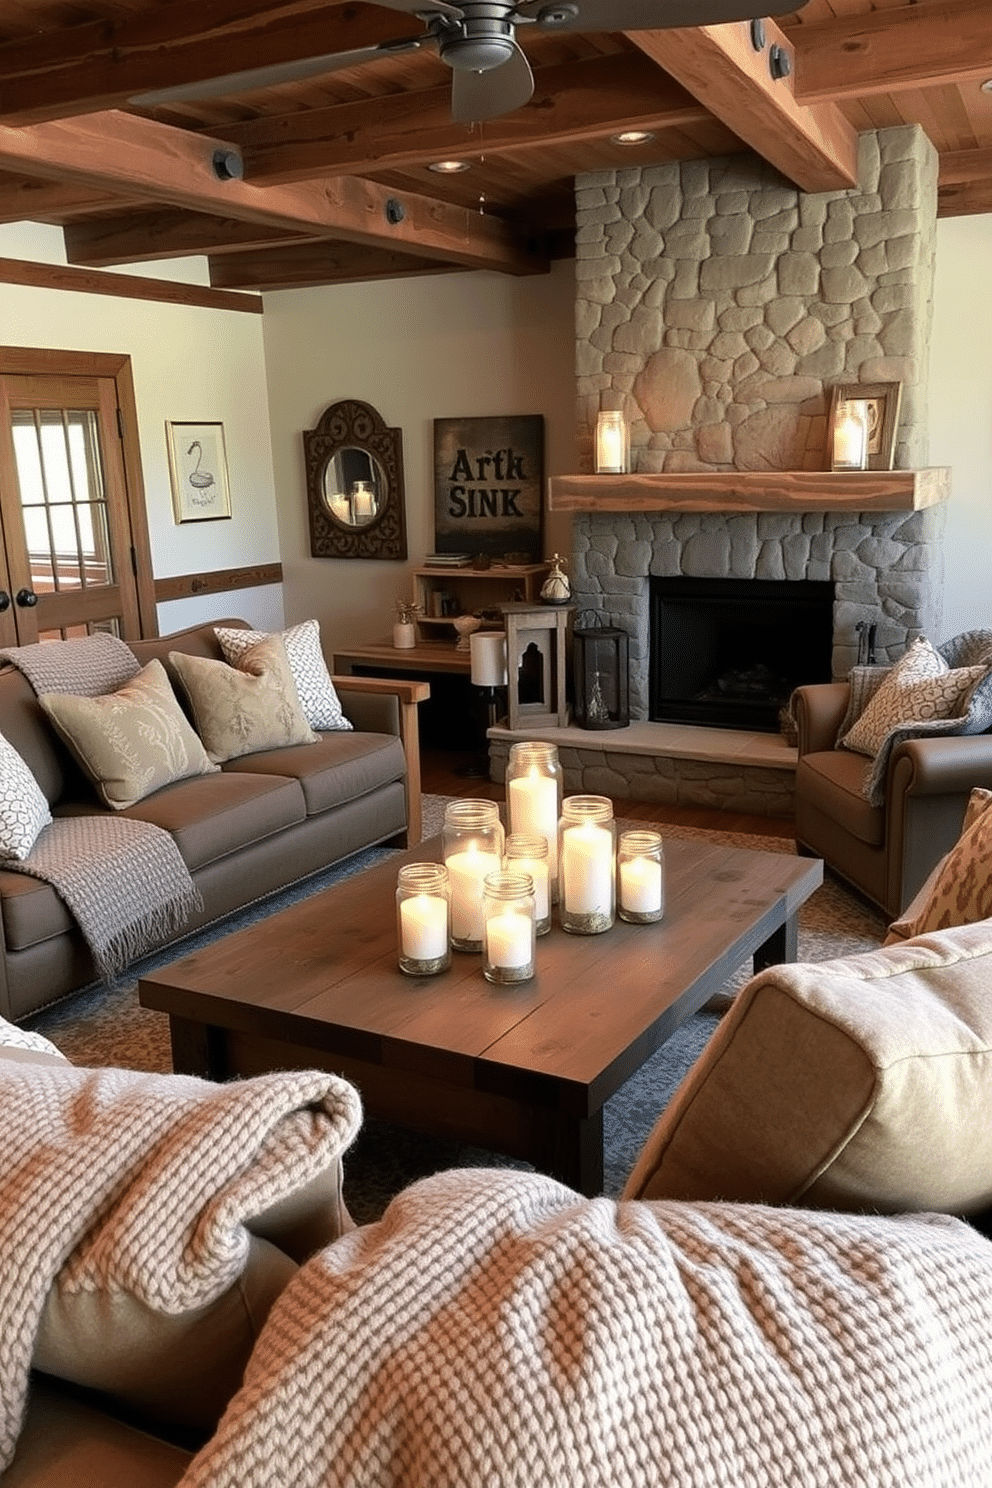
<point x="405" y="629"/>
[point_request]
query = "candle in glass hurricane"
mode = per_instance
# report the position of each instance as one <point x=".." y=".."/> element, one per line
<point x="641" y="876"/>
<point x="423" y="919"/>
<point x="472" y="846"/>
<point x="533" y="797"/>
<point x="587" y="865"/>
<point x="508" y="927"/>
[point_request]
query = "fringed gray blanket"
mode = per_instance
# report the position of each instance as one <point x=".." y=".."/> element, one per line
<point x="112" y="1180"/>
<point x="123" y="881"/>
<point x="496" y="1329"/>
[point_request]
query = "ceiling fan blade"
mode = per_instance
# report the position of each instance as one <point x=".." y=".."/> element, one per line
<point x="278" y="73"/>
<point x="646" y="15"/>
<point x="488" y="95"/>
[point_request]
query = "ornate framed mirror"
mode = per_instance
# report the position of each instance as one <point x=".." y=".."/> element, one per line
<point x="354" y="469"/>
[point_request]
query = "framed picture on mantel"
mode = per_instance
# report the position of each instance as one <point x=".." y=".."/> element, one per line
<point x="881" y="400"/>
<point x="489" y="486"/>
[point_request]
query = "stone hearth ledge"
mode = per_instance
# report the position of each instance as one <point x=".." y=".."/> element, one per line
<point x="670" y="763"/>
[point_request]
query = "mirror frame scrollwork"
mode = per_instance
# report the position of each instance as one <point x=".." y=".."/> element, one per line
<point x="353" y="425"/>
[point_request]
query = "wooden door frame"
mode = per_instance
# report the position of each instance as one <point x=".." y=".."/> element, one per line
<point x="32" y="361"/>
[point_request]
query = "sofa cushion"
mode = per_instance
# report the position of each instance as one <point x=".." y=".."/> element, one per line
<point x="21" y="1044"/>
<point x="342" y="767"/>
<point x="920" y="688"/>
<point x="209" y="818"/>
<point x="23" y="807"/>
<point x="959" y="890"/>
<point x="132" y="741"/>
<point x="860" y="1083"/>
<point x="318" y="697"/>
<point x="253" y="706"/>
<point x="832" y="782"/>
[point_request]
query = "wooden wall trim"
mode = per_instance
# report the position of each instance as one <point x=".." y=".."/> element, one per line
<point x="220" y="581"/>
<point x="125" y="286"/>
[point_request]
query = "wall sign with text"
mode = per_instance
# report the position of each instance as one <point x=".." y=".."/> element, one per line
<point x="489" y="485"/>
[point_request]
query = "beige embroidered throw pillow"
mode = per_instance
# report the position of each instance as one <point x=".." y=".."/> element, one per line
<point x="318" y="696"/>
<point x="244" y="709"/>
<point x="918" y="689"/>
<point x="130" y="742"/>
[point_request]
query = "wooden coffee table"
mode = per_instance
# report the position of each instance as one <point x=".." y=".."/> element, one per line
<point x="523" y="1070"/>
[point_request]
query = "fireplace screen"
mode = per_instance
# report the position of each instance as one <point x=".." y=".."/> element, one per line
<point x="728" y="652"/>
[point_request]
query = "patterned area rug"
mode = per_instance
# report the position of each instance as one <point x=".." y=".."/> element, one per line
<point x="101" y="1026"/>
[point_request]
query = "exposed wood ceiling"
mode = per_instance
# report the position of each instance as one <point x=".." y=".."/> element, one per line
<point x="337" y="185"/>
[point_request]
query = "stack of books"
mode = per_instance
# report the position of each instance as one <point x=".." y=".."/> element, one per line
<point x="448" y="560"/>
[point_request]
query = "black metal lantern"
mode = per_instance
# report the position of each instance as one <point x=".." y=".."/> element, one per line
<point x="600" y="673"/>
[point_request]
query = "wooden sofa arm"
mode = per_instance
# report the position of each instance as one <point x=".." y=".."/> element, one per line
<point x="819" y="709"/>
<point x="406" y="695"/>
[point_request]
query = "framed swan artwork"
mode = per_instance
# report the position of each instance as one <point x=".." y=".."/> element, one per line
<point x="198" y="467"/>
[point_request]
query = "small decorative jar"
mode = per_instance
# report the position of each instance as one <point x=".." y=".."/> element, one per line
<point x="423" y="919"/>
<point x="527" y="852"/>
<point x="472" y="845"/>
<point x="508" y="927"/>
<point x="533" y="798"/>
<point x="640" y="877"/>
<point x="587" y="860"/>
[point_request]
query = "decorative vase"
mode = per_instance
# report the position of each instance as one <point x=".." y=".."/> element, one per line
<point x="465" y="625"/>
<point x="404" y="635"/>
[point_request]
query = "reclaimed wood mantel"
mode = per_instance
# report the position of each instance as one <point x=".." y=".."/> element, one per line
<point x="752" y="491"/>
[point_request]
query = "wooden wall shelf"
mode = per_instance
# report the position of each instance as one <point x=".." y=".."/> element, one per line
<point x="752" y="491"/>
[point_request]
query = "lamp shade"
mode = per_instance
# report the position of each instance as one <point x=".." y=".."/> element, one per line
<point x="488" y="648"/>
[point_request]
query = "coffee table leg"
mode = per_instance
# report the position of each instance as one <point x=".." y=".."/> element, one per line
<point x="575" y="1152"/>
<point x="781" y="946"/>
<point x="197" y="1049"/>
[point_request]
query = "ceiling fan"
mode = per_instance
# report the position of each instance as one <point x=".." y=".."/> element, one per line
<point x="477" y="39"/>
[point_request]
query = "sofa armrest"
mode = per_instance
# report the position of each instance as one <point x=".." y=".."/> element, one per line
<point x="362" y="698"/>
<point x="819" y="710"/>
<point x="945" y="766"/>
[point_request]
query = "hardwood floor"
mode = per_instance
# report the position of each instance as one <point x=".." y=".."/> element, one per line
<point x="443" y="774"/>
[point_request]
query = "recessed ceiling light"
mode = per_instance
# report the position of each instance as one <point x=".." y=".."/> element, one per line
<point x="449" y="167"/>
<point x="632" y="137"/>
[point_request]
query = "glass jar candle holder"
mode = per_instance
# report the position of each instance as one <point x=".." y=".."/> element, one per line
<point x="587" y="861"/>
<point x="533" y="798"/>
<point x="527" y="852"/>
<point x="423" y="919"/>
<point x="472" y="841"/>
<point x="640" y="877"/>
<point x="508" y="927"/>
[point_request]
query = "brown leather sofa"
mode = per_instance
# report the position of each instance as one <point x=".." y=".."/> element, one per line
<point x="885" y="851"/>
<point x="262" y="822"/>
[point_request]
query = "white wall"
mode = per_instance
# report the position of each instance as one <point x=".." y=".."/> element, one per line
<point x="443" y="346"/>
<point x="189" y="365"/>
<point x="961" y="415"/>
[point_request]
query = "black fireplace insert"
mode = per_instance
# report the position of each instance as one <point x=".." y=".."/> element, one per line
<point x="728" y="652"/>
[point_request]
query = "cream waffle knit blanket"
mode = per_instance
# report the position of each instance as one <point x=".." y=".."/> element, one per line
<point x="495" y="1330"/>
<point x="116" y="1180"/>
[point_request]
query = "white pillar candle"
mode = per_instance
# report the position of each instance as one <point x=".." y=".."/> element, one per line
<point x="532" y="806"/>
<point x="364" y="503"/>
<point x="423" y="927"/>
<point x="466" y="871"/>
<point x="587" y="869"/>
<point x="641" y="885"/>
<point x="538" y="870"/>
<point x="508" y="940"/>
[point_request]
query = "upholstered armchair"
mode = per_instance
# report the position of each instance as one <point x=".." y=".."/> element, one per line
<point x="887" y="850"/>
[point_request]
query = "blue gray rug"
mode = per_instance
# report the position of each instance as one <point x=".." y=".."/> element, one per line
<point x="106" y="1026"/>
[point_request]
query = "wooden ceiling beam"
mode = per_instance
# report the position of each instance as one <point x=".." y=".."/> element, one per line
<point x="964" y="183"/>
<point x="169" y="232"/>
<point x="102" y="64"/>
<point x="309" y="265"/>
<point x="885" y="51"/>
<point x="120" y="152"/>
<point x="586" y="100"/>
<point x="814" y="146"/>
<point x="27" y="199"/>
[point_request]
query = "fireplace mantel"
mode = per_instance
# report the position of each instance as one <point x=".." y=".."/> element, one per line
<point x="752" y="491"/>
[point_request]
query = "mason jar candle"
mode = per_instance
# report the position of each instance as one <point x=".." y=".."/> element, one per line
<point x="423" y="919"/>
<point x="527" y="852"/>
<point x="508" y="927"/>
<point x="640" y="877"/>
<point x="587" y="865"/>
<point x="533" y="797"/>
<point x="472" y="842"/>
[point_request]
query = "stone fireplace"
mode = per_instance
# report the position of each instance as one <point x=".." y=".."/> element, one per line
<point x="718" y="306"/>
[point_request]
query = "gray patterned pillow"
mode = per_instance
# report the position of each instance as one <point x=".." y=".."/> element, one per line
<point x="318" y="698"/>
<point x="23" y="808"/>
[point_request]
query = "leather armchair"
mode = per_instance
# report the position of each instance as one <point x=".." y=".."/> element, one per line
<point x="884" y="851"/>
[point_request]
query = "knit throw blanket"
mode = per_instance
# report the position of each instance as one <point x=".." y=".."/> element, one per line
<point x="116" y="1180"/>
<point x="124" y="881"/>
<point x="495" y="1328"/>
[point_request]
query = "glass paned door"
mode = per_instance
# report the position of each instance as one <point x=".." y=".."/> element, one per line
<point x="64" y="508"/>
